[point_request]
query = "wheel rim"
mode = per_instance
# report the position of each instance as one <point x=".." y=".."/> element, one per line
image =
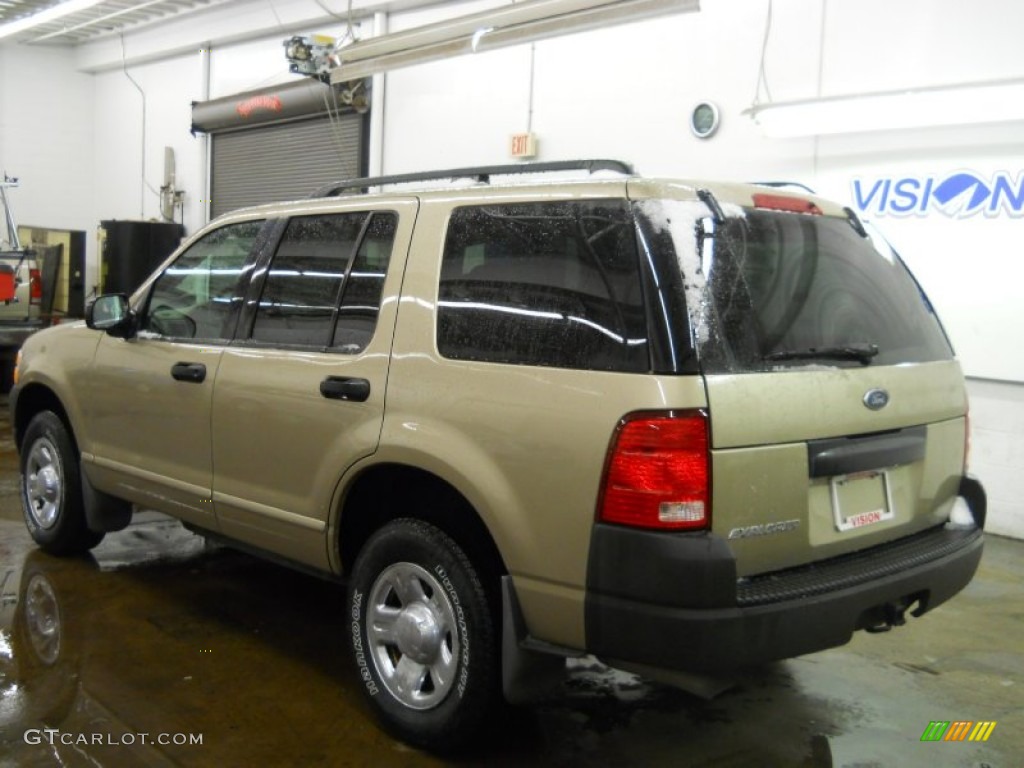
<point x="413" y="635"/>
<point x="44" y="483"/>
<point x="42" y="614"/>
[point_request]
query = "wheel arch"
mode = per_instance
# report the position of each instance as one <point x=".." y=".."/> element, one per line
<point x="34" y="399"/>
<point x="388" y="491"/>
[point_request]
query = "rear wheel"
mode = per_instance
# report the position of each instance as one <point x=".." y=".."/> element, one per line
<point x="423" y="636"/>
<point x="51" y="488"/>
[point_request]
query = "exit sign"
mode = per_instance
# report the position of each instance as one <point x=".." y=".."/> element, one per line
<point x="523" y="145"/>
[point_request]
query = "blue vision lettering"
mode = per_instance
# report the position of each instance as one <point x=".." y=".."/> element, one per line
<point x="958" y="195"/>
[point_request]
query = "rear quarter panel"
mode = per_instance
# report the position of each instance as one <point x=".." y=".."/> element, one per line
<point x="525" y="445"/>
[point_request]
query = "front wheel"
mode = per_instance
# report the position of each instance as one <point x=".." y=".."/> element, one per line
<point x="51" y="488"/>
<point x="423" y="636"/>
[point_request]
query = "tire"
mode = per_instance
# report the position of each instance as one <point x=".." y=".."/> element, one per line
<point x="6" y="375"/>
<point x="51" y="489"/>
<point x="423" y="636"/>
<point x="47" y="640"/>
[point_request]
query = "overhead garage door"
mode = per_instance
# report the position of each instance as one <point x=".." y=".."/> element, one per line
<point x="279" y="143"/>
<point x="283" y="162"/>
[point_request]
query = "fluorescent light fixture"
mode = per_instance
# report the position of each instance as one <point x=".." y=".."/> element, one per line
<point x="509" y="25"/>
<point x="995" y="101"/>
<point x="44" y="17"/>
<point x="97" y="20"/>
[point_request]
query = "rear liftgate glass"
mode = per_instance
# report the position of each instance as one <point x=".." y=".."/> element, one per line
<point x="780" y="299"/>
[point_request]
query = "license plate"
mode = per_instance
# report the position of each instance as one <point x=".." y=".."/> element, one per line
<point x="861" y="499"/>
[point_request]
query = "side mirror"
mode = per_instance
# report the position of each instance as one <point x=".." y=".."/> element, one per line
<point x="113" y="314"/>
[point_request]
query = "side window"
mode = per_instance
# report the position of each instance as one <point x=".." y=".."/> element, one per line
<point x="360" y="302"/>
<point x="554" y="284"/>
<point x="196" y="296"/>
<point x="324" y="284"/>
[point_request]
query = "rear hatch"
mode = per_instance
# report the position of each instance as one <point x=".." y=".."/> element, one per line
<point x="837" y="410"/>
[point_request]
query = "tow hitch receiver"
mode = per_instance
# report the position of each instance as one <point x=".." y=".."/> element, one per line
<point x="884" y="617"/>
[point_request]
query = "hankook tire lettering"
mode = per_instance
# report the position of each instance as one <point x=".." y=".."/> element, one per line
<point x="460" y="618"/>
<point x="357" y="644"/>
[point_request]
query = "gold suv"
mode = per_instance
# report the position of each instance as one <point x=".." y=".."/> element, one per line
<point x="685" y="427"/>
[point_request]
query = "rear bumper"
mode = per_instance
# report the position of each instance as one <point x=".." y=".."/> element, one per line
<point x="673" y="601"/>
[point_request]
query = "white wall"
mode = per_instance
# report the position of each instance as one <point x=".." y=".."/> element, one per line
<point x="46" y="137"/>
<point x="167" y="89"/>
<point x="997" y="451"/>
<point x="621" y="92"/>
<point x="625" y="92"/>
<point x="129" y="153"/>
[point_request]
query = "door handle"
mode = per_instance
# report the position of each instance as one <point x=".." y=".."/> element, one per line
<point x="194" y="372"/>
<point x="345" y="388"/>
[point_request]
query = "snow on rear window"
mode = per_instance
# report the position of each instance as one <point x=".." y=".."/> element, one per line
<point x="681" y="219"/>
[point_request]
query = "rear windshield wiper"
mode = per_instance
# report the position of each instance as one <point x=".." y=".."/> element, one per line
<point x="862" y="353"/>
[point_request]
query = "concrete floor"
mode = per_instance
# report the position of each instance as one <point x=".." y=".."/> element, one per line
<point x="157" y="633"/>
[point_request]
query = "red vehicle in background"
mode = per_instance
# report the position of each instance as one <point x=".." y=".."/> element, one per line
<point x="21" y="290"/>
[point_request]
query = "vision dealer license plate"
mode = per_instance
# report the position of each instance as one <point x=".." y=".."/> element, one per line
<point x="861" y="499"/>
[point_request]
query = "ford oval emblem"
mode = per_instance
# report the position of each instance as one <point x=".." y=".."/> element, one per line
<point x="876" y="399"/>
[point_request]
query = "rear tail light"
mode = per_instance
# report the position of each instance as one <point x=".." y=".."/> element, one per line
<point x="35" y="287"/>
<point x="657" y="473"/>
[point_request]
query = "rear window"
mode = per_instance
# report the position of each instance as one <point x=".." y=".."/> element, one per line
<point x="769" y="290"/>
<point x="551" y="284"/>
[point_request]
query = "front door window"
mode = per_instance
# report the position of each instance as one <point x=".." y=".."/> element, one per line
<point x="198" y="295"/>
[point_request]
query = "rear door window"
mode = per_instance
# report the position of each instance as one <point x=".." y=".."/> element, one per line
<point x="360" y="301"/>
<point x="552" y="284"/>
<point x="324" y="283"/>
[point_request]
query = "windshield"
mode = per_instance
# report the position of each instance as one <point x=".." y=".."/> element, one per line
<point x="768" y="290"/>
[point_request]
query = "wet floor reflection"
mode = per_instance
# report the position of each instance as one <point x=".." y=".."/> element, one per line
<point x="160" y="637"/>
<point x="191" y="641"/>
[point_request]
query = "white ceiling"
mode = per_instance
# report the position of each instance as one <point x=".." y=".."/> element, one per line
<point x="104" y="18"/>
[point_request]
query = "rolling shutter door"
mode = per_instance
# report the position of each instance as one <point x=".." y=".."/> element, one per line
<point x="284" y="161"/>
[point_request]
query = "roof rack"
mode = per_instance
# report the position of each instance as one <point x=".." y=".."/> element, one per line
<point x="482" y="174"/>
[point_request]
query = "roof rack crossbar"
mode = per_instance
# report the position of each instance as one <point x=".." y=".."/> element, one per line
<point x="482" y="174"/>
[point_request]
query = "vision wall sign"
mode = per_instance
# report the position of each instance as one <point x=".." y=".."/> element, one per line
<point x="959" y="195"/>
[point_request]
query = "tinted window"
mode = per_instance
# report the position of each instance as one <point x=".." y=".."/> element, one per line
<point x="791" y="290"/>
<point x="305" y="278"/>
<point x="196" y="296"/>
<point x="324" y="284"/>
<point x="360" y="301"/>
<point x="554" y="284"/>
